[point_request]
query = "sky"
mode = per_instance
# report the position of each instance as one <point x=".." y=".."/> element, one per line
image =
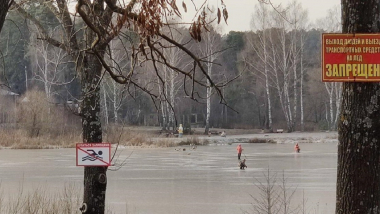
<point x="240" y="11"/>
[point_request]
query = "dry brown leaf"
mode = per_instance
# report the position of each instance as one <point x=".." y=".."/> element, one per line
<point x="225" y="15"/>
<point x="199" y="32"/>
<point x="184" y="6"/>
<point x="219" y="15"/>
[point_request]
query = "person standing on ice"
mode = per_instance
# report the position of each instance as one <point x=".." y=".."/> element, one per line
<point x="239" y="151"/>
<point x="180" y="131"/>
<point x="297" y="148"/>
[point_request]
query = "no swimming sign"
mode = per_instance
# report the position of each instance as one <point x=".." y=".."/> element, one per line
<point x="93" y="154"/>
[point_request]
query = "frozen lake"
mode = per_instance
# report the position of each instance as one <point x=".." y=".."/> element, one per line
<point x="203" y="181"/>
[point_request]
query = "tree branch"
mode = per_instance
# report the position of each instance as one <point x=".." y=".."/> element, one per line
<point x="44" y="33"/>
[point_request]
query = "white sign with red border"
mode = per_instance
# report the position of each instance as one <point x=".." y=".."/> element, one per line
<point x="93" y="154"/>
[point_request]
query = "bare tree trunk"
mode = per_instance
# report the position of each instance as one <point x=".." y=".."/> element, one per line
<point x="268" y="99"/>
<point x="115" y="102"/>
<point x="208" y="48"/>
<point x="266" y="73"/>
<point x="4" y="6"/>
<point x="163" y="109"/>
<point x="358" y="186"/>
<point x="288" y="114"/>
<point x="329" y="88"/>
<point x="95" y="178"/>
<point x="105" y="104"/>
<point x="298" y="18"/>
<point x="262" y="24"/>
<point x="279" y="88"/>
<point x="208" y="109"/>
<point x="208" y="90"/>
<point x="338" y="99"/>
<point x="295" y="76"/>
<point x="331" y="108"/>
<point x="327" y="116"/>
<point x="172" y="98"/>
<point x="301" y="86"/>
<point x="285" y="101"/>
<point x="115" y="106"/>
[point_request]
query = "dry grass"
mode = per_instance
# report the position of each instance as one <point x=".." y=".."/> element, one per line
<point x="126" y="137"/>
<point x="38" y="201"/>
<point x="261" y="140"/>
<point x="165" y="143"/>
<point x="193" y="141"/>
<point x="135" y="138"/>
<point x="19" y="139"/>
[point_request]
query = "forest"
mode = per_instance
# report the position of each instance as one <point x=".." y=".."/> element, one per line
<point x="269" y="77"/>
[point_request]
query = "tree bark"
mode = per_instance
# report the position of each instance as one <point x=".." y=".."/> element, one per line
<point x="358" y="186"/>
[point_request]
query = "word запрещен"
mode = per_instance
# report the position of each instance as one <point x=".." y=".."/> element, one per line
<point x="357" y="70"/>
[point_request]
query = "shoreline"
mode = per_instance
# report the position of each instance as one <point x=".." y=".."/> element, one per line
<point x="279" y="138"/>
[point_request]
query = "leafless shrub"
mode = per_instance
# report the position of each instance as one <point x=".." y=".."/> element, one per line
<point x="267" y="202"/>
<point x="34" y="112"/>
<point x="39" y="116"/>
<point x="275" y="196"/>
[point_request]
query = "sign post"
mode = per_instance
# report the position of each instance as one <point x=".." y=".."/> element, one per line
<point x="93" y="154"/>
<point x="351" y="57"/>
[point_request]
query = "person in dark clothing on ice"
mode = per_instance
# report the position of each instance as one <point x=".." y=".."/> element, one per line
<point x="242" y="164"/>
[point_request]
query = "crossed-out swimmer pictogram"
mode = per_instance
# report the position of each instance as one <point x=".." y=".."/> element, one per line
<point x="93" y="156"/>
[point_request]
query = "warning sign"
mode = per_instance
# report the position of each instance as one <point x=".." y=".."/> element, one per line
<point x="351" y="57"/>
<point x="93" y="154"/>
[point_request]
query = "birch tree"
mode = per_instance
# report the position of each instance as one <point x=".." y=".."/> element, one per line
<point x="281" y="66"/>
<point x="260" y="22"/>
<point x="285" y="43"/>
<point x="298" y="18"/>
<point x="210" y="50"/>
<point x="334" y="91"/>
<point x="358" y="187"/>
<point x="49" y="66"/>
<point x="171" y="81"/>
<point x="332" y="24"/>
<point x="116" y="94"/>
